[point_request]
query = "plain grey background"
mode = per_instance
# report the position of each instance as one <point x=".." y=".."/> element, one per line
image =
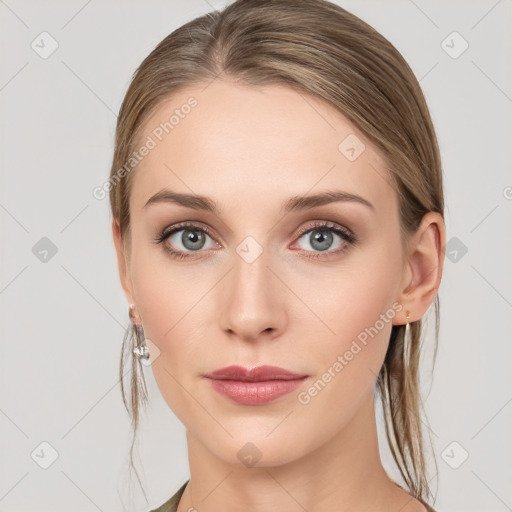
<point x="63" y="313"/>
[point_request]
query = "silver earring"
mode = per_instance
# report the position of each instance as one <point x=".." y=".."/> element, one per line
<point x="141" y="351"/>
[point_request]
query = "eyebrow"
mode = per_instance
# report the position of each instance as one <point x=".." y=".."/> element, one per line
<point x="295" y="203"/>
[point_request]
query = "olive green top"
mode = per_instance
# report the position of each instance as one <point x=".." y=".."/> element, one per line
<point x="172" y="504"/>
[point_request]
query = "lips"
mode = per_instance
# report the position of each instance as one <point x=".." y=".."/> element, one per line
<point x="255" y="386"/>
<point x="257" y="374"/>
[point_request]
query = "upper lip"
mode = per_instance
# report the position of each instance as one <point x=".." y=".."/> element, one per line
<point x="259" y="373"/>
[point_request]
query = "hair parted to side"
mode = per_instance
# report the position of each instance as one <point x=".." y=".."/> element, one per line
<point x="317" y="48"/>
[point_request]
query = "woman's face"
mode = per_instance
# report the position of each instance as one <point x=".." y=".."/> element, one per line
<point x="264" y="285"/>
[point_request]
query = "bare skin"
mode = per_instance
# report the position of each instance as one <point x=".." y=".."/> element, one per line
<point x="250" y="149"/>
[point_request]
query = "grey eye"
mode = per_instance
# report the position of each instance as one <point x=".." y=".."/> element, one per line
<point x="190" y="239"/>
<point x="320" y="239"/>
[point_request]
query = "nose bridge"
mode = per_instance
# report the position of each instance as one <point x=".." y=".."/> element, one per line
<point x="252" y="304"/>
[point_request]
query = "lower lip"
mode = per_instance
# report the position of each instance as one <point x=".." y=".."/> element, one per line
<point x="255" y="393"/>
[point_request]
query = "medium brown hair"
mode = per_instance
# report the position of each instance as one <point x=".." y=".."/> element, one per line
<point x="317" y="48"/>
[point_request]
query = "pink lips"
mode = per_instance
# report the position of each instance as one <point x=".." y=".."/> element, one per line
<point x="254" y="386"/>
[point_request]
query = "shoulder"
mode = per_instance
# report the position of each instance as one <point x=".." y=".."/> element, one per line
<point x="171" y="505"/>
<point x="421" y="506"/>
<point x="417" y="506"/>
<point x="409" y="503"/>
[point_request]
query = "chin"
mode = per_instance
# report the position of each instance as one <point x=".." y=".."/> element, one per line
<point x="258" y="449"/>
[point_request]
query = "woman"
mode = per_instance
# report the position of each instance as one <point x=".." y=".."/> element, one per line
<point x="277" y="202"/>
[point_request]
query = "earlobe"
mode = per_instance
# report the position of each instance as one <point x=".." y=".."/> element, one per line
<point x="124" y="273"/>
<point x="424" y="266"/>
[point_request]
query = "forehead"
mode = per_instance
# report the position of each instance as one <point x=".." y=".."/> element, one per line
<point x="261" y="144"/>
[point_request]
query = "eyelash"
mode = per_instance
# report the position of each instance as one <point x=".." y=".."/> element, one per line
<point x="344" y="233"/>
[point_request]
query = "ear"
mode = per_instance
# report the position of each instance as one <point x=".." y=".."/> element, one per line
<point x="122" y="263"/>
<point x="423" y="267"/>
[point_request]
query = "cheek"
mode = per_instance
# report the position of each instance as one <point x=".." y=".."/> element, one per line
<point x="357" y="296"/>
<point x="359" y="309"/>
<point x="163" y="292"/>
<point x="169" y="303"/>
<point x="347" y="366"/>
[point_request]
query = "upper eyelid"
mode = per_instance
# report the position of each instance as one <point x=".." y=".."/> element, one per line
<point x="181" y="226"/>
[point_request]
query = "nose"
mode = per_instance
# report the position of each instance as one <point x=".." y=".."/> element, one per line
<point x="253" y="301"/>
